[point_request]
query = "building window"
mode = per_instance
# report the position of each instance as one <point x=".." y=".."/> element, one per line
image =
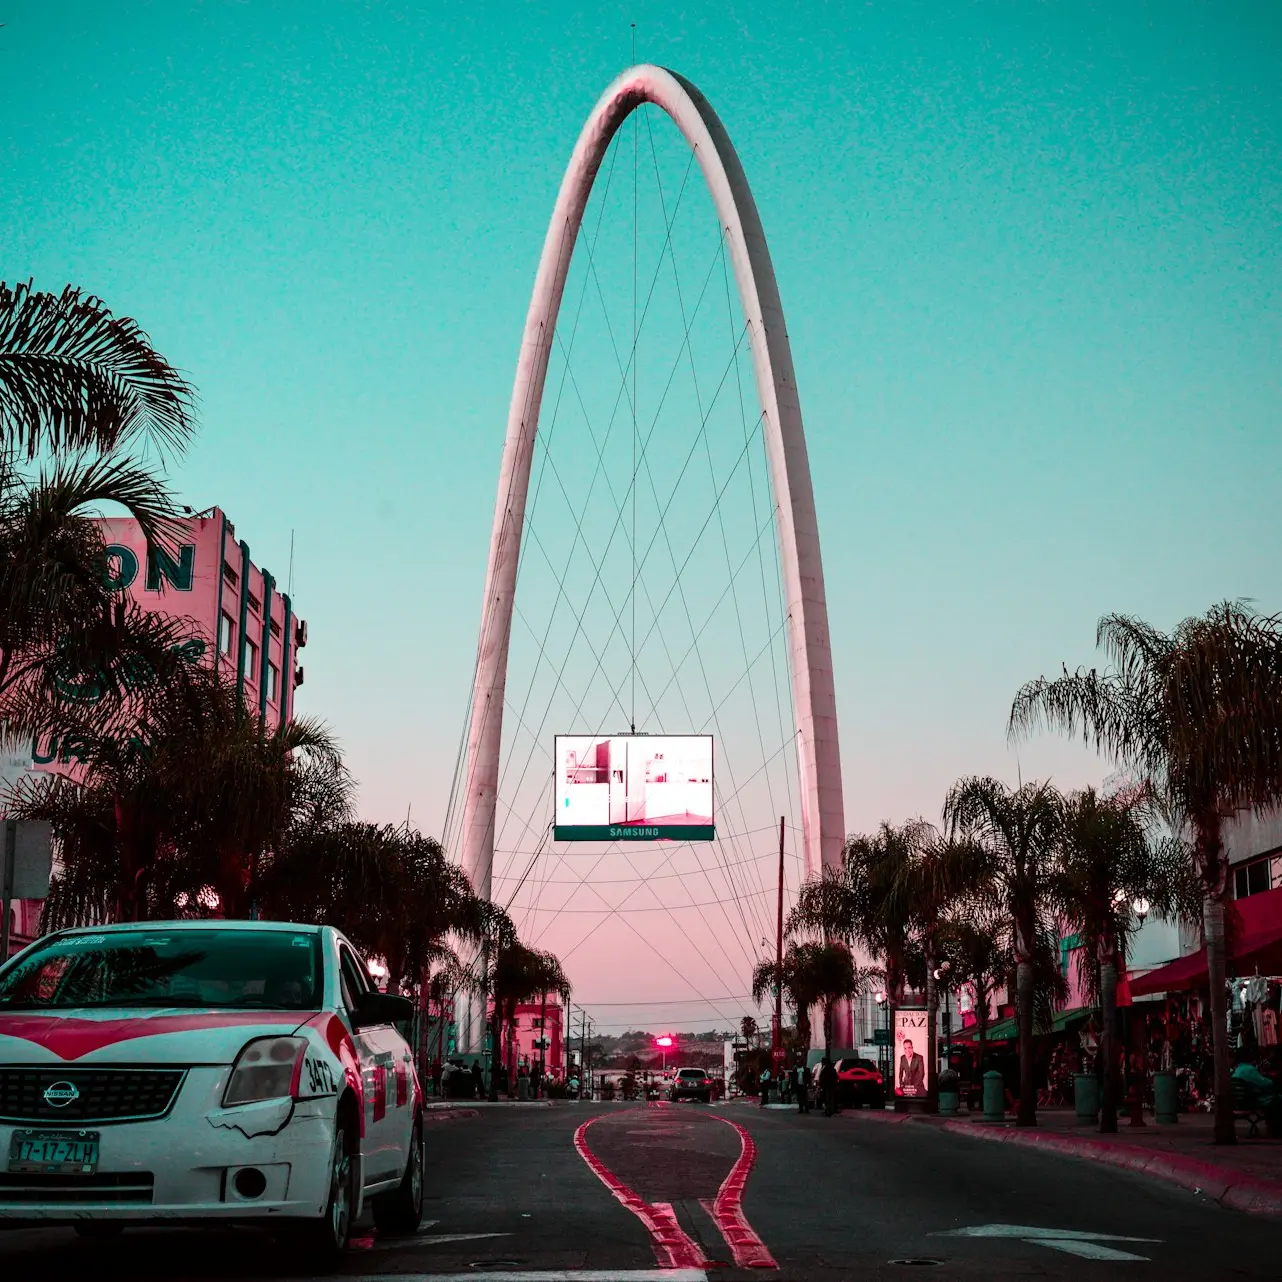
<point x="230" y="574"/>
<point x="255" y="604"/>
<point x="273" y="678"/>
<point x="226" y="630"/>
<point x="1257" y="875"/>
<point x="251" y="661"/>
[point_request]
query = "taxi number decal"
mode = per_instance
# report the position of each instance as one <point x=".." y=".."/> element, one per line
<point x="320" y="1077"/>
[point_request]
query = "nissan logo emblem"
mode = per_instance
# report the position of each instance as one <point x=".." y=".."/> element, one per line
<point x="60" y="1094"/>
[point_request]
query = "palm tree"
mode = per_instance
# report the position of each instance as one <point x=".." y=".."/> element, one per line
<point x="181" y="807"/>
<point x="65" y="635"/>
<point x="835" y="978"/>
<point x="975" y="942"/>
<point x="936" y="874"/>
<point x="1107" y="863"/>
<point x="74" y="377"/>
<point x="520" y="974"/>
<point x="748" y="1030"/>
<point x="853" y="903"/>
<point x="1198" y="712"/>
<point x="1018" y="832"/>
<point x="797" y="977"/>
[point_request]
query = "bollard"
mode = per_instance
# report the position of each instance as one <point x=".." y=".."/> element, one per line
<point x="1086" y="1097"/>
<point x="994" y="1097"/>
<point x="1166" y="1097"/>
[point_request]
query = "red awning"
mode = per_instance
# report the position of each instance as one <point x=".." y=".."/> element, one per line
<point x="1258" y="947"/>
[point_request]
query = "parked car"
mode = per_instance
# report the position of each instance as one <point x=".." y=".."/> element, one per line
<point x="691" y="1083"/>
<point x="206" y="1071"/>
<point x="860" y="1083"/>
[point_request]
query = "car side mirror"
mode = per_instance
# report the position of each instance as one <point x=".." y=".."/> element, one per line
<point x="381" y="1008"/>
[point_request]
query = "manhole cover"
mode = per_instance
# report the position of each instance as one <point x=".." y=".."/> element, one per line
<point x="923" y="1260"/>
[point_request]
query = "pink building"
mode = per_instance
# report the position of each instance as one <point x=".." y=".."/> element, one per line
<point x="247" y="626"/>
<point x="533" y="1023"/>
<point x="244" y="620"/>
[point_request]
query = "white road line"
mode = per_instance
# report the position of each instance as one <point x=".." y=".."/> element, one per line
<point x="1070" y="1241"/>
<point x="1029" y="1232"/>
<point x="426" y="1239"/>
<point x="1087" y="1250"/>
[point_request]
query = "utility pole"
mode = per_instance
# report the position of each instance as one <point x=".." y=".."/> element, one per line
<point x="776" y="1040"/>
<point x="543" y="1038"/>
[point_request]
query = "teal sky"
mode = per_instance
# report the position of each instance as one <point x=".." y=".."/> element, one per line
<point x="1030" y="256"/>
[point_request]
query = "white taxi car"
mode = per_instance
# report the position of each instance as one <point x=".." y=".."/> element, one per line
<point x="213" y="1070"/>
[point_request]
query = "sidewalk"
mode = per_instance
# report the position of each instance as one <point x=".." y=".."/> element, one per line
<point x="1246" y="1177"/>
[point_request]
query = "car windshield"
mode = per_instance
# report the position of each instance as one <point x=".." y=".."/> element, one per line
<point x="224" y="968"/>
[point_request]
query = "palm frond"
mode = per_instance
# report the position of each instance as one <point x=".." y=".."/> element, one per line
<point x="75" y="377"/>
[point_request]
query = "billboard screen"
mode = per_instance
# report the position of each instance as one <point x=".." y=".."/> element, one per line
<point x="633" y="788"/>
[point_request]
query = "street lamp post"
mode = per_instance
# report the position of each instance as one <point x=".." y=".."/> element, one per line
<point x="941" y="976"/>
<point x="1138" y="1058"/>
<point x="885" y="1057"/>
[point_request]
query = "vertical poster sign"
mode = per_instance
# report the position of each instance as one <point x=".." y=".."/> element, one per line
<point x="910" y="1052"/>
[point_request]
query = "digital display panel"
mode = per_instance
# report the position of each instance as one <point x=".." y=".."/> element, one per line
<point x="634" y="788"/>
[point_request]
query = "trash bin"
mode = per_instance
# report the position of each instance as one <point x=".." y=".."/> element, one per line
<point x="949" y="1093"/>
<point x="1166" y="1097"/>
<point x="522" y="1088"/>
<point x="1086" y="1097"/>
<point x="994" y="1097"/>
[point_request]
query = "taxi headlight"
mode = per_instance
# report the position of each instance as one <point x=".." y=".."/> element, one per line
<point x="266" y="1068"/>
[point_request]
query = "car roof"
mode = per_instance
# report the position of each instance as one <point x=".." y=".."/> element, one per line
<point x="199" y="923"/>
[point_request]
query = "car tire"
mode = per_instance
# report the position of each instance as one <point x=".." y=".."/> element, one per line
<point x="401" y="1209"/>
<point x="99" y="1230"/>
<point x="323" y="1241"/>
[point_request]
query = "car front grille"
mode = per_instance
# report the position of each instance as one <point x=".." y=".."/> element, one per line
<point x="68" y="1190"/>
<point x="77" y="1096"/>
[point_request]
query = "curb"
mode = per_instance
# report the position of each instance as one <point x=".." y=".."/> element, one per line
<point x="439" y="1114"/>
<point x="1232" y="1189"/>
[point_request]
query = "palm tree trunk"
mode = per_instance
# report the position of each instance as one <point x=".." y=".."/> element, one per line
<point x="828" y="1030"/>
<point x="932" y="1036"/>
<point x="1208" y="851"/>
<point x="1216" y="963"/>
<point x="1107" y="1041"/>
<point x="1027" y="1114"/>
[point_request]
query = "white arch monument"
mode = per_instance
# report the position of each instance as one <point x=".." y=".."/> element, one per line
<point x="810" y="651"/>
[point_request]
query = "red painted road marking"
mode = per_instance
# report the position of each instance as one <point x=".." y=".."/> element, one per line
<point x="750" y="1252"/>
<point x="673" y="1249"/>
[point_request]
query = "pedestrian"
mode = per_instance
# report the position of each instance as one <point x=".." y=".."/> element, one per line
<point x="478" y="1080"/>
<point x="828" y="1086"/>
<point x="437" y="1075"/>
<point x="765" y="1088"/>
<point x="801" y="1086"/>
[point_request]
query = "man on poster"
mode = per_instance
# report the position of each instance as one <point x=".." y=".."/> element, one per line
<point x="912" y="1071"/>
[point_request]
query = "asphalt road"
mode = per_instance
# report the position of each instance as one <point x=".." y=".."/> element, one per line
<point x="849" y="1197"/>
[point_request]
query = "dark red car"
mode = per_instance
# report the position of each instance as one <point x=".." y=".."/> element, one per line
<point x="859" y="1084"/>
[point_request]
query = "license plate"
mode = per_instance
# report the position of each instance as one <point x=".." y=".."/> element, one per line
<point x="53" y="1152"/>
